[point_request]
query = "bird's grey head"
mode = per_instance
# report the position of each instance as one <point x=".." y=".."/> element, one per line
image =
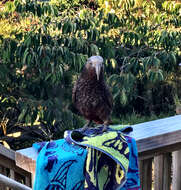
<point x="97" y="63"/>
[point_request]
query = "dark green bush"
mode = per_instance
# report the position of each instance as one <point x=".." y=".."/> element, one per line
<point x="42" y="58"/>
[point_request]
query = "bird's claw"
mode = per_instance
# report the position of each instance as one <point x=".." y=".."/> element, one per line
<point x="105" y="127"/>
<point x="84" y="129"/>
<point x="86" y="126"/>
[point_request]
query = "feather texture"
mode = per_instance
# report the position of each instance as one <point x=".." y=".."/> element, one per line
<point x="91" y="96"/>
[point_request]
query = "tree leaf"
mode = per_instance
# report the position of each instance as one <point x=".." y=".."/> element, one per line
<point x="22" y="114"/>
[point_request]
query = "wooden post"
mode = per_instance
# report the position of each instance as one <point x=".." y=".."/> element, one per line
<point x="12" y="174"/>
<point x="146" y="174"/>
<point x="162" y="171"/>
<point x="176" y="170"/>
<point x="27" y="163"/>
<point x="28" y="181"/>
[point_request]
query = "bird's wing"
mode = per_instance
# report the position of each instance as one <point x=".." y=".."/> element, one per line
<point x="108" y="97"/>
<point x="73" y="107"/>
<point x="74" y="93"/>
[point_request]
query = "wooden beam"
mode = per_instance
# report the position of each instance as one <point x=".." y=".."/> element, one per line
<point x="7" y="152"/>
<point x="158" y="136"/>
<point x="152" y="138"/>
<point x="157" y="127"/>
<point x="8" y="163"/>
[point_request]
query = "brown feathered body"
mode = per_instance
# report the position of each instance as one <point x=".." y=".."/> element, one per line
<point x="91" y="97"/>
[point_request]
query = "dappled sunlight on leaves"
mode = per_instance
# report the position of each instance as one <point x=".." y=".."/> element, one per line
<point x="44" y="45"/>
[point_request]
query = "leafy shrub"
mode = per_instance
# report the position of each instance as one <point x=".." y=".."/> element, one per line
<point x="41" y="57"/>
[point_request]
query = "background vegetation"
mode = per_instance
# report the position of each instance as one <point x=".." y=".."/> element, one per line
<point x="44" y="44"/>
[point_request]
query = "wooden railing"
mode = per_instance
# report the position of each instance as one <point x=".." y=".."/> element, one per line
<point x="159" y="149"/>
<point x="11" y="175"/>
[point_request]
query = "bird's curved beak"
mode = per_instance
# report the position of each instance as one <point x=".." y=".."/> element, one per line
<point x="98" y="70"/>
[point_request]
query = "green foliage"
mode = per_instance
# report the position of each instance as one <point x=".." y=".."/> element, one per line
<point x="42" y="56"/>
<point x="134" y="118"/>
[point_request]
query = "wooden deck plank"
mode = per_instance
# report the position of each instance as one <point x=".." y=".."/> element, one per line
<point x="152" y="136"/>
<point x="157" y="127"/>
<point x="31" y="152"/>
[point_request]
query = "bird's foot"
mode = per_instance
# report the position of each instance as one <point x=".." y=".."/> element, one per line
<point x="101" y="129"/>
<point x="86" y="126"/>
<point x="104" y="129"/>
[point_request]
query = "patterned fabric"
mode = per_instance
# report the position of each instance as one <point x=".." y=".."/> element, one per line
<point x="60" y="166"/>
<point x="133" y="179"/>
<point x="108" y="156"/>
<point x="88" y="161"/>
